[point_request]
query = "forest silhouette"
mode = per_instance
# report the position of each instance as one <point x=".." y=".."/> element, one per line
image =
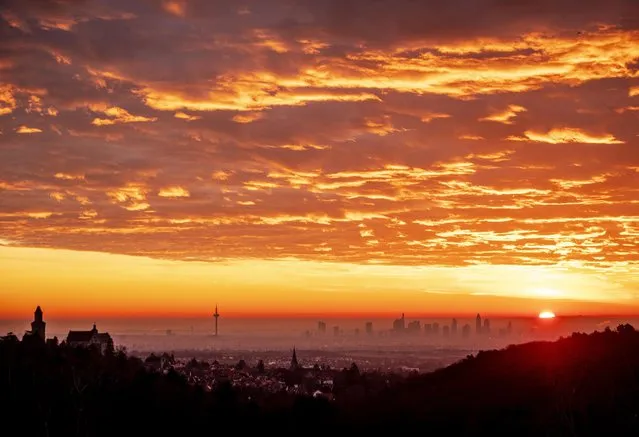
<point x="585" y="384"/>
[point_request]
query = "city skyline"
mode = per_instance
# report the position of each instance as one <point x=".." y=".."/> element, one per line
<point x="310" y="158"/>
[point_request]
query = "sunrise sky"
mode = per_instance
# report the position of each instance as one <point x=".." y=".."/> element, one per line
<point x="319" y="156"/>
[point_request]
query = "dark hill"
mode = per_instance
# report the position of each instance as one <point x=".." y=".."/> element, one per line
<point x="581" y="385"/>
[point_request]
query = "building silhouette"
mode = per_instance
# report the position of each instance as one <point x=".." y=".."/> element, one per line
<point x="90" y="339"/>
<point x="428" y="328"/>
<point x="39" y="326"/>
<point x="446" y="331"/>
<point x="414" y="327"/>
<point x="478" y="325"/>
<point x="486" y="329"/>
<point x="466" y="331"/>
<point x="399" y="325"/>
<point x="294" y="363"/>
<point x="217" y="316"/>
<point x="321" y="327"/>
<point x="453" y="327"/>
<point x="336" y="331"/>
<point x="435" y="328"/>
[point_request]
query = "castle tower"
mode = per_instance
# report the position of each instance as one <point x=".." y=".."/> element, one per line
<point x="38" y="326"/>
<point x="217" y="316"/>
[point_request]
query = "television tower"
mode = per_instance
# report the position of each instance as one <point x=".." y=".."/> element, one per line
<point x="217" y="316"/>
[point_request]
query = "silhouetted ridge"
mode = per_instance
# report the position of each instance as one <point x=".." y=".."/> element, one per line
<point x="581" y="385"/>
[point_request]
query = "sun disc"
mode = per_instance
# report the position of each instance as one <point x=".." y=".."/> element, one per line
<point x="546" y="315"/>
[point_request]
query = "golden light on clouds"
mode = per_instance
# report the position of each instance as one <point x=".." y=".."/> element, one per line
<point x="448" y="161"/>
<point x="566" y="135"/>
<point x="173" y="192"/>
<point x="28" y="130"/>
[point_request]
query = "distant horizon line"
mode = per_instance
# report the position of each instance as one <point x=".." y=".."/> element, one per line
<point x="314" y="316"/>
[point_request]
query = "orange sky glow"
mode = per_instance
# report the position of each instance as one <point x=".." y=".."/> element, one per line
<point x="319" y="157"/>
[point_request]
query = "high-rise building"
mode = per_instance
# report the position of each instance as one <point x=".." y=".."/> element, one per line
<point x="428" y="328"/>
<point x="336" y="331"/>
<point x="435" y="328"/>
<point x="486" y="329"/>
<point x="399" y="325"/>
<point x="38" y="326"/>
<point x="446" y="331"/>
<point x="321" y="327"/>
<point x="478" y="324"/>
<point x="369" y="328"/>
<point x="414" y="326"/>
<point x="453" y="327"/>
<point x="466" y="331"/>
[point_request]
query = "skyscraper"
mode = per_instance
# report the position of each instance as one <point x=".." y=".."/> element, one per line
<point x="369" y="328"/>
<point x="478" y="324"/>
<point x="321" y="327"/>
<point x="453" y="327"/>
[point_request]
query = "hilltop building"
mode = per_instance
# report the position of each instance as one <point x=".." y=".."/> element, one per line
<point x="90" y="338"/>
<point x="38" y="326"/>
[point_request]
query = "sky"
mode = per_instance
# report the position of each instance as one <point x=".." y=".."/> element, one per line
<point x="289" y="157"/>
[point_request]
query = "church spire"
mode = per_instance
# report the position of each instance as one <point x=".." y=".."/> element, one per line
<point x="294" y="363"/>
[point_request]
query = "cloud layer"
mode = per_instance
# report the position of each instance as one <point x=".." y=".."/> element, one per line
<point x="396" y="132"/>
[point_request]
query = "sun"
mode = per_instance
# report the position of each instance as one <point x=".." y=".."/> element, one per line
<point x="546" y="315"/>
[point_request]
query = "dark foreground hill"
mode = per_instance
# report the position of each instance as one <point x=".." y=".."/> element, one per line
<point x="581" y="385"/>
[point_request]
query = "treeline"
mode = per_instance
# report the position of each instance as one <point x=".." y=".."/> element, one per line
<point x="581" y="385"/>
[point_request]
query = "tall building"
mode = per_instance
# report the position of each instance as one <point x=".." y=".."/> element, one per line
<point x="217" y="316"/>
<point x="399" y="325"/>
<point x="446" y="331"/>
<point x="38" y="326"/>
<point x="466" y="331"/>
<point x="486" y="329"/>
<point x="369" y="328"/>
<point x="435" y="328"/>
<point x="336" y="331"/>
<point x="415" y="326"/>
<point x="428" y="328"/>
<point x="321" y="327"/>
<point x="453" y="327"/>
<point x="478" y="324"/>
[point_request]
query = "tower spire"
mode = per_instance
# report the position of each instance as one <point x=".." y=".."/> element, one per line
<point x="216" y="315"/>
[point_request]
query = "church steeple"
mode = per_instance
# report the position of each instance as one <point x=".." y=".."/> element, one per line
<point x="294" y="363"/>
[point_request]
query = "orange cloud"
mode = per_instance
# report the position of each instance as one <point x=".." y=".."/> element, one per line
<point x="28" y="130"/>
<point x="506" y="115"/>
<point x="566" y="135"/>
<point x="118" y="115"/>
<point x="187" y="117"/>
<point x="173" y="192"/>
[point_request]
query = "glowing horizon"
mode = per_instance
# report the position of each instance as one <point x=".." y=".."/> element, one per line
<point x="361" y="159"/>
